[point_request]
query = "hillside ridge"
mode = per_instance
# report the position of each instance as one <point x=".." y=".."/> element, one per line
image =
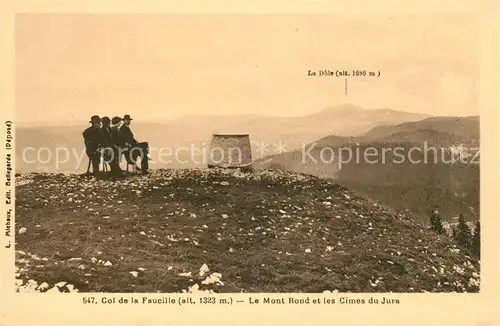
<point x="433" y="180"/>
<point x="261" y="231"/>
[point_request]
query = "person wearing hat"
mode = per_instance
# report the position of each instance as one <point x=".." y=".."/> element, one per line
<point x="135" y="148"/>
<point x="92" y="139"/>
<point x="109" y="146"/>
<point x="116" y="123"/>
<point x="128" y="136"/>
<point x="107" y="138"/>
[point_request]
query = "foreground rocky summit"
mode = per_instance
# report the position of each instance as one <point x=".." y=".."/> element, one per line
<point x="223" y="231"/>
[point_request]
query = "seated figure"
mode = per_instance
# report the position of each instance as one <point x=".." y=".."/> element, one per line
<point x="92" y="139"/>
<point x="133" y="148"/>
<point x="109" y="146"/>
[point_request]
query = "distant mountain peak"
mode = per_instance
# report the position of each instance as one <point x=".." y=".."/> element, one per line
<point x="347" y="109"/>
<point x="341" y="108"/>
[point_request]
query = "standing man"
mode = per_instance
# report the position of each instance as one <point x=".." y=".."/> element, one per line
<point x="135" y="147"/>
<point x="92" y="139"/>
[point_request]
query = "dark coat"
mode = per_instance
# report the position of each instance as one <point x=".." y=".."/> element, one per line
<point x="92" y="138"/>
<point x="106" y="137"/>
<point x="117" y="137"/>
<point x="128" y="136"/>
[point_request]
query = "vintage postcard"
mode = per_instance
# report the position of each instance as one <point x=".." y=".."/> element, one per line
<point x="173" y="164"/>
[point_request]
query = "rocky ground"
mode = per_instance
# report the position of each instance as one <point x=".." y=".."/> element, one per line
<point x="223" y="231"/>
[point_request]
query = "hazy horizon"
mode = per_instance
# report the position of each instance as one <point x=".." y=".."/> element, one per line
<point x="167" y="120"/>
<point x="159" y="66"/>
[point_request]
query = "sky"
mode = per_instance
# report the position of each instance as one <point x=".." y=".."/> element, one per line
<point x="159" y="67"/>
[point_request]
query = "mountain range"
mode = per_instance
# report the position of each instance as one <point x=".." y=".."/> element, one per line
<point x="171" y="141"/>
<point x="417" y="166"/>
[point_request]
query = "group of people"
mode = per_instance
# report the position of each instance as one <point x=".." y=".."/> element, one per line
<point x="109" y="139"/>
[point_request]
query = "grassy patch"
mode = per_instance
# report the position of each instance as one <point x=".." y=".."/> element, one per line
<point x="264" y="231"/>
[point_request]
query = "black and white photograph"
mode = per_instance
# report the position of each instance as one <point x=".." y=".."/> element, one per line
<point x="246" y="153"/>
